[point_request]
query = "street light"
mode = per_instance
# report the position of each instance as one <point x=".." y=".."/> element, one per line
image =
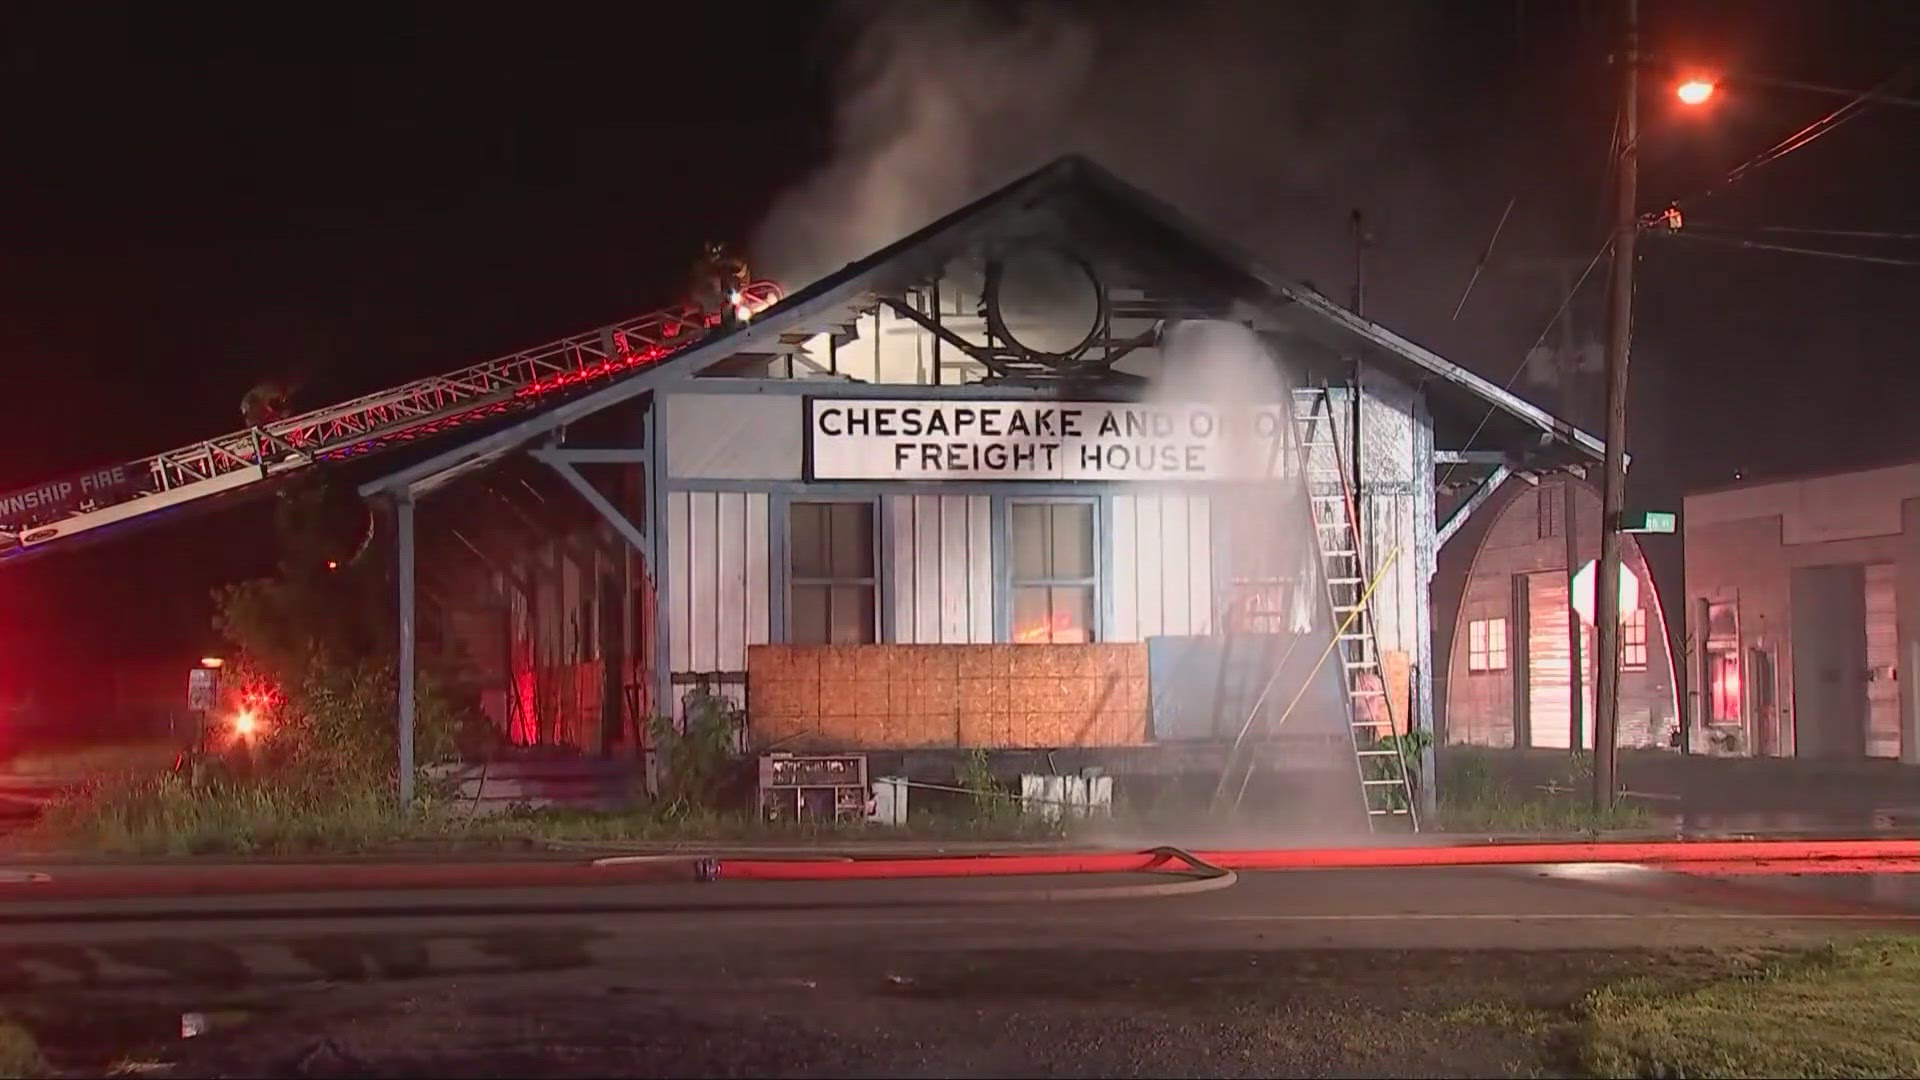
<point x="1694" y="91"/>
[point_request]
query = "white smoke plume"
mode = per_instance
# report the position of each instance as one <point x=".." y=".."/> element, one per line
<point x="1268" y="122"/>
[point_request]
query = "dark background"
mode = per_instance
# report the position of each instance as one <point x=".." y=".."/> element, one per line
<point x="196" y="201"/>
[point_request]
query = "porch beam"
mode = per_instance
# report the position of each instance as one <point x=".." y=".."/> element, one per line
<point x="599" y="502"/>
<point x="1469" y="457"/>
<point x="1474" y="501"/>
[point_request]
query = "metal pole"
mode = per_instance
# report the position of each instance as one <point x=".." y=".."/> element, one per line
<point x="1353" y="420"/>
<point x="1613" y="488"/>
<point x="1576" y="670"/>
<point x="404" y="515"/>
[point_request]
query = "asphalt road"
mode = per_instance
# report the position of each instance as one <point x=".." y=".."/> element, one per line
<point x="1374" y="972"/>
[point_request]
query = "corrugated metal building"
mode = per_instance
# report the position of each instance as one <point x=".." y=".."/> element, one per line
<point x="1507" y="677"/>
<point x="1803" y="593"/>
<point x="913" y="494"/>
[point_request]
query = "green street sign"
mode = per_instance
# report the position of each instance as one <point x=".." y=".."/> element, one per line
<point x="1648" y="521"/>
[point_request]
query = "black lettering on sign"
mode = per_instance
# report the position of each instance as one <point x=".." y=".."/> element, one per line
<point x="821" y="417"/>
<point x="930" y="456"/>
<point x="902" y="453"/>
<point x="1200" y="423"/>
<point x="1070" y="423"/>
<point x="1019" y="423"/>
<point x="994" y="456"/>
<point x="1194" y="458"/>
<point x="990" y="422"/>
<point x="1023" y="455"/>
<point x="1109" y="425"/>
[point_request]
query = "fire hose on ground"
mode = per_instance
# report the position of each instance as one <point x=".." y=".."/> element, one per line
<point x="1197" y="871"/>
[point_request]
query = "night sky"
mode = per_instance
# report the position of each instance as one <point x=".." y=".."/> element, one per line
<point x="196" y="201"/>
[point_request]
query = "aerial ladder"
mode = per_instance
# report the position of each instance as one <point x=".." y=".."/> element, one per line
<point x="84" y="503"/>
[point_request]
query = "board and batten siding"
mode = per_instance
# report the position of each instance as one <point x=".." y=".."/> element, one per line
<point x="718" y="595"/>
<point x="1161" y="549"/>
<point x="941" y="565"/>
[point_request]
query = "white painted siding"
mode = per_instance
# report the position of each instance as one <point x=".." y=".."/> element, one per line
<point x="1160" y="548"/>
<point x="942" y="569"/>
<point x="733" y="436"/>
<point x="717" y="568"/>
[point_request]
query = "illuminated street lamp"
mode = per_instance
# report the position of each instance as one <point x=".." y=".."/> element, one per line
<point x="1694" y="91"/>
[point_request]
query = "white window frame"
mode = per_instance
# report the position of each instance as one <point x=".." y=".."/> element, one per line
<point x="1092" y="582"/>
<point x="796" y="581"/>
<point x="1483" y="656"/>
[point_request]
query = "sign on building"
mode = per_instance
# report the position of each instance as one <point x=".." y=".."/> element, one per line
<point x="855" y="439"/>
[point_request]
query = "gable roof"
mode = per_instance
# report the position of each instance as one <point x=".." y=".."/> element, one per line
<point x="1448" y="385"/>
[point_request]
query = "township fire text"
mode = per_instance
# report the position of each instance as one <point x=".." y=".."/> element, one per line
<point x="1022" y="440"/>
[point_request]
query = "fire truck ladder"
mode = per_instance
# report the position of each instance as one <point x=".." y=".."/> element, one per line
<point x="1385" y="786"/>
<point x="71" y="506"/>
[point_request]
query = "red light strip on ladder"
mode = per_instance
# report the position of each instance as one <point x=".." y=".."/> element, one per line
<point x="39" y="515"/>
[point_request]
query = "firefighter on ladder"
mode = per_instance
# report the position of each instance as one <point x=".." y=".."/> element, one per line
<point x="265" y="403"/>
<point x="719" y="284"/>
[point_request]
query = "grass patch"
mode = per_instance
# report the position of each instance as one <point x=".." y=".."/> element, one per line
<point x="1852" y="1009"/>
<point x="1535" y="815"/>
<point x="1473" y="799"/>
<point x="19" y="1052"/>
<point x="162" y="814"/>
<point x="1518" y="1018"/>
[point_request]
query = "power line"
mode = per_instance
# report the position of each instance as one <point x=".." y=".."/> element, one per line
<point x="1854" y="107"/>
<point x="1565" y="302"/>
<point x="1484" y="256"/>
<point x="1858" y="234"/>
<point x="1755" y="245"/>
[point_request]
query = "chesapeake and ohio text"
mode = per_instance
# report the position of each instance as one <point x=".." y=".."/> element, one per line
<point x="1034" y="440"/>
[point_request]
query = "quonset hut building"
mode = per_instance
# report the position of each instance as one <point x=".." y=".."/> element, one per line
<point x="1028" y="480"/>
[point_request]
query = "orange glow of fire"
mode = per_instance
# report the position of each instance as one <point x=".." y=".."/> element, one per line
<point x="1040" y="633"/>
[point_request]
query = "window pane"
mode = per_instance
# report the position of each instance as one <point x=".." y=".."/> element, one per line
<point x="1072" y="542"/>
<point x="808" y="539"/>
<point x="808" y="615"/>
<point x="1072" y="615"/>
<point x="1029" y="541"/>
<point x="851" y="537"/>
<point x="852" y="615"/>
<point x="1477" y="635"/>
<point x="1030" y="618"/>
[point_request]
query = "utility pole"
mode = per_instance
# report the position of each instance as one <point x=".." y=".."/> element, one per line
<point x="1626" y="225"/>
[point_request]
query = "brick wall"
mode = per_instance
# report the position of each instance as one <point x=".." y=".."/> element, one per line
<point x="986" y="696"/>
